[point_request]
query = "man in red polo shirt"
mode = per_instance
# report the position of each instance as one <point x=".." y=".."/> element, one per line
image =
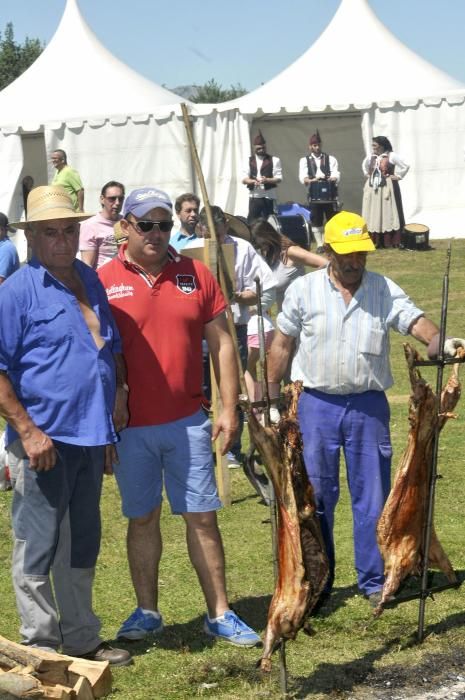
<point x="164" y="304"/>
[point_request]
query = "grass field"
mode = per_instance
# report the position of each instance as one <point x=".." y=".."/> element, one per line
<point x="348" y="651"/>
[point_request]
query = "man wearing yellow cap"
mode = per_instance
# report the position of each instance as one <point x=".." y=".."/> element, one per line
<point x="336" y="323"/>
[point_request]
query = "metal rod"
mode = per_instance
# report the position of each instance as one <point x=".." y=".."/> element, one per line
<point x="434" y="460"/>
<point x="273" y="509"/>
<point x="262" y="350"/>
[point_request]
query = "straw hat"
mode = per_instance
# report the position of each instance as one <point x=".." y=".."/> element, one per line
<point x="47" y="203"/>
<point x="119" y="234"/>
<point x="238" y="226"/>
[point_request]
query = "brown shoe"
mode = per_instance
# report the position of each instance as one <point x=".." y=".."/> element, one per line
<point x="105" y="652"/>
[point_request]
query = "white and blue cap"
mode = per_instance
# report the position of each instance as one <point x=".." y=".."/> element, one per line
<point x="139" y="202"/>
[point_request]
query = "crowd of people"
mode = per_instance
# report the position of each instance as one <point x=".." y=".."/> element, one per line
<point x="142" y="317"/>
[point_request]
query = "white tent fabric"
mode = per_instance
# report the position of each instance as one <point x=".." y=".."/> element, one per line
<point x="356" y="62"/>
<point x="144" y="152"/>
<point x="11" y="158"/>
<point x="358" y="68"/>
<point x="135" y="135"/>
<point x="223" y="148"/>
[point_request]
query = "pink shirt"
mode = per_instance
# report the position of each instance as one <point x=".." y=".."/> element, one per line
<point x="97" y="234"/>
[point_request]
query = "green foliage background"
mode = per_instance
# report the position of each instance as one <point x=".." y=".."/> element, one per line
<point x="15" y="58"/>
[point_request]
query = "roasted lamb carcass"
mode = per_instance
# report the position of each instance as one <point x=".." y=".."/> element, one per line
<point x="303" y="564"/>
<point x="402" y="522"/>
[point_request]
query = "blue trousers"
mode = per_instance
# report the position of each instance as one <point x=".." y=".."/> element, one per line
<point x="359" y="424"/>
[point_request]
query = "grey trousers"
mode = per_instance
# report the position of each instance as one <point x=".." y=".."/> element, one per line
<point x="56" y="524"/>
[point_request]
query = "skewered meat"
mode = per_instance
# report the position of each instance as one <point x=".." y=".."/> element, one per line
<point x="402" y="522"/>
<point x="303" y="564"/>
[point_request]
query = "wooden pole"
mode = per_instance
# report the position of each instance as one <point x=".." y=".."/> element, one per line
<point x="215" y="261"/>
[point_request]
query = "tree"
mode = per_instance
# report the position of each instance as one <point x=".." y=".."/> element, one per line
<point x="213" y="92"/>
<point x="16" y="58"/>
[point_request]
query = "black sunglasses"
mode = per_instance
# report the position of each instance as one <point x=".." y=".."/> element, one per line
<point x="147" y="226"/>
<point x="114" y="198"/>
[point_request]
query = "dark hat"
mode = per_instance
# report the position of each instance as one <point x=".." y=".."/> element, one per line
<point x="4" y="223"/>
<point x="238" y="226"/>
<point x="259" y="140"/>
<point x="315" y="138"/>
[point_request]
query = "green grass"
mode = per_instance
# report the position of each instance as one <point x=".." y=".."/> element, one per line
<point x="347" y="648"/>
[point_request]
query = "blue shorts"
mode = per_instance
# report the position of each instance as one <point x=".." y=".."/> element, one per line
<point x="177" y="453"/>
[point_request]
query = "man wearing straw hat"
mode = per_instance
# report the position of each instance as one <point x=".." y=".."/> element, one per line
<point x="336" y="322"/>
<point x="164" y="304"/>
<point x="55" y="319"/>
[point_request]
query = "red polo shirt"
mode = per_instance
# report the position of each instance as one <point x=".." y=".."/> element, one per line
<point x="161" y="325"/>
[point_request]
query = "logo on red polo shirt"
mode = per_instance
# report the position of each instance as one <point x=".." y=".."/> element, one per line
<point x="186" y="283"/>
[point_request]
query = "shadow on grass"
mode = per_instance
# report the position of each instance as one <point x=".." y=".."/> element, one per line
<point x="190" y="637"/>
<point x="338" y="678"/>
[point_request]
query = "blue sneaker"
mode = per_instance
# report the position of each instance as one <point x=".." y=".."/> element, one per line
<point x="232" y="629"/>
<point x="139" y="625"/>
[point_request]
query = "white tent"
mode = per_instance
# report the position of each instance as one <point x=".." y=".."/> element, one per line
<point x="356" y="81"/>
<point x="112" y="122"/>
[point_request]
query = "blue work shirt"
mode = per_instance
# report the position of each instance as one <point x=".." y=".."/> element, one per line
<point x="179" y="240"/>
<point x="9" y="260"/>
<point x="65" y="383"/>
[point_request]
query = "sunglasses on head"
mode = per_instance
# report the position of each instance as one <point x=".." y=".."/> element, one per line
<point x="147" y="226"/>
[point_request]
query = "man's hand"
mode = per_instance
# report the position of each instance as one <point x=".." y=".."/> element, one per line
<point x="40" y="450"/>
<point x="228" y="424"/>
<point x="111" y="458"/>
<point x="120" y="412"/>
<point x="451" y="345"/>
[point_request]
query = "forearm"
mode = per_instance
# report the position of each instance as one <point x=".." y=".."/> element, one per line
<point x="121" y="374"/>
<point x="304" y="257"/>
<point x="246" y="297"/>
<point x="278" y="358"/>
<point x="89" y="257"/>
<point x="226" y="374"/>
<point x="13" y="411"/>
<point x="120" y="410"/>
<point x="423" y="330"/>
<point x="80" y="199"/>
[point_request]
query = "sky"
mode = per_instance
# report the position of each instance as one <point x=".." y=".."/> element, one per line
<point x="176" y="42"/>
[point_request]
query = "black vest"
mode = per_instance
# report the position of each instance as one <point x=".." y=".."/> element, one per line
<point x="324" y="165"/>
<point x="265" y="171"/>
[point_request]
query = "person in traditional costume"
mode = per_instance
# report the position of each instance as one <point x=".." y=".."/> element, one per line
<point x="262" y="174"/>
<point x="382" y="201"/>
<point x="315" y="169"/>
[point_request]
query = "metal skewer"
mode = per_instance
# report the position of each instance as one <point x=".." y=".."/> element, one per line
<point x="272" y="497"/>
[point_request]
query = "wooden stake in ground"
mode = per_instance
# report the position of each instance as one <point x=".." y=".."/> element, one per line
<point x="219" y="271"/>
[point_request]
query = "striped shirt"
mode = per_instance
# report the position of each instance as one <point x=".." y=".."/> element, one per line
<point x="344" y="349"/>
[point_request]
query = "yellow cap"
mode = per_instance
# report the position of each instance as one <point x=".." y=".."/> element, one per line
<point x="347" y="233"/>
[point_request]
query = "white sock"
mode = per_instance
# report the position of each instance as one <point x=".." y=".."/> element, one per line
<point x="218" y="619"/>
<point x="155" y="613"/>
